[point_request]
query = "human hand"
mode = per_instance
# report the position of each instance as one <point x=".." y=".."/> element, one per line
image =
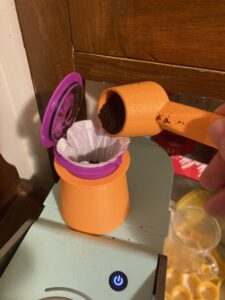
<point x="213" y="178"/>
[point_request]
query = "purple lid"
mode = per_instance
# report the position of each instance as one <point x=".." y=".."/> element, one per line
<point x="62" y="110"/>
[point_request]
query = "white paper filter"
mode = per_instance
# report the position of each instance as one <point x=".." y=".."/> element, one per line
<point x="86" y="144"/>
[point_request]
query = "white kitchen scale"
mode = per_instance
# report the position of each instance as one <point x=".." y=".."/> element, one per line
<point x="55" y="262"/>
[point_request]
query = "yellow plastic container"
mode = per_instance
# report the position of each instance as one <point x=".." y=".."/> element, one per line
<point x="182" y="286"/>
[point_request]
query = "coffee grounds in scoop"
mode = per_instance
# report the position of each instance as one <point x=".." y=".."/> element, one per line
<point x="112" y="114"/>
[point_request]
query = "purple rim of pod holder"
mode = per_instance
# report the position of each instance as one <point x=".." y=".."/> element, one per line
<point x="62" y="104"/>
<point x="87" y="172"/>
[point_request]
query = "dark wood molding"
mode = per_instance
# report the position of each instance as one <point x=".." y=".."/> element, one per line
<point x="174" y="78"/>
<point x="46" y="32"/>
<point x="9" y="184"/>
<point x="160" y="278"/>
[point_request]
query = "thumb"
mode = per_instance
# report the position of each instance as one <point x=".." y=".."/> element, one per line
<point x="217" y="134"/>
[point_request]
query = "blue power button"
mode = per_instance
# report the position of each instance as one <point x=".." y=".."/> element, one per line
<point x="118" y="281"/>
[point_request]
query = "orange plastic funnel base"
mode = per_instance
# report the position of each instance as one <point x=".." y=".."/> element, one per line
<point x="94" y="206"/>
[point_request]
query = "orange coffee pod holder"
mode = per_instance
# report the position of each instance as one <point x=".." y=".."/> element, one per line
<point x="95" y="206"/>
<point x="91" y="204"/>
<point x="144" y="108"/>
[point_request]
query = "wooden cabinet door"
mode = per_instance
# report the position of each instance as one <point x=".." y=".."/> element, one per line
<point x="179" y="44"/>
<point x="45" y="26"/>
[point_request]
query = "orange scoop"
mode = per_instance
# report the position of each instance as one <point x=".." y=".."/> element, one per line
<point x="144" y="108"/>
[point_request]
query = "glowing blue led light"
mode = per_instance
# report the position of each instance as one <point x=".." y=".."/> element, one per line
<point x="118" y="280"/>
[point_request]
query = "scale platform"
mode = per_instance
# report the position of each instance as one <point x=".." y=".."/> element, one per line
<point x="55" y="262"/>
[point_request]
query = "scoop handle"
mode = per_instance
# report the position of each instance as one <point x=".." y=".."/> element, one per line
<point x="187" y="121"/>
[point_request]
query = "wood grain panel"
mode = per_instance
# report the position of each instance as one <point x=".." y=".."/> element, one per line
<point x="46" y="32"/>
<point x="177" y="79"/>
<point x="181" y="32"/>
<point x="45" y="26"/>
<point x="9" y="184"/>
